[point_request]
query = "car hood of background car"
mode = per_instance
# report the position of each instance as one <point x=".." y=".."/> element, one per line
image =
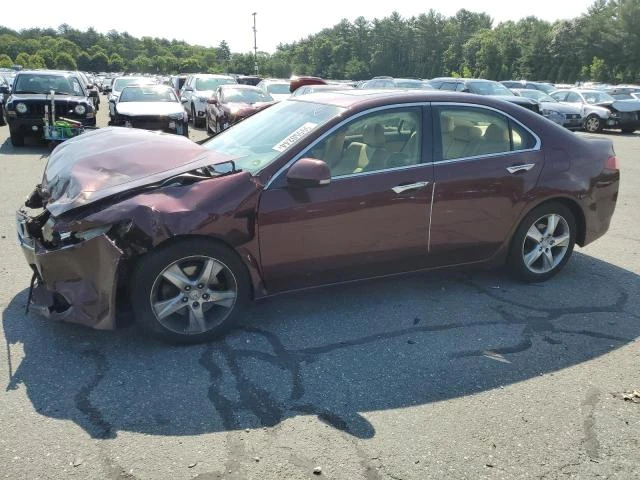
<point x="239" y="109"/>
<point x="515" y="99"/>
<point x="560" y="107"/>
<point x="31" y="97"/>
<point x="109" y="161"/>
<point x="133" y="109"/>
<point x="622" y="105"/>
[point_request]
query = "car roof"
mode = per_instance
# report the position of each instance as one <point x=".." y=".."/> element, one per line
<point x="240" y="86"/>
<point x="48" y="72"/>
<point x="367" y="98"/>
<point x="210" y="75"/>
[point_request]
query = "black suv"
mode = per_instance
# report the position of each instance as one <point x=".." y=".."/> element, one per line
<point x="483" y="87"/>
<point x="25" y="107"/>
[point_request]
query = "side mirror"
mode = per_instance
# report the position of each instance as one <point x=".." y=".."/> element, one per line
<point x="309" y="172"/>
<point x="93" y="93"/>
<point x="5" y="89"/>
<point x="188" y="89"/>
<point x="212" y="101"/>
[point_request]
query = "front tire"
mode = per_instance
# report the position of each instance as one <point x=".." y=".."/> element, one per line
<point x="593" y="123"/>
<point x="17" y="139"/>
<point x="543" y="243"/>
<point x="197" y="122"/>
<point x="190" y="291"/>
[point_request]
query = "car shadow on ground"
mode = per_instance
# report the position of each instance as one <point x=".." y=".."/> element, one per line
<point x="32" y="146"/>
<point x="336" y="353"/>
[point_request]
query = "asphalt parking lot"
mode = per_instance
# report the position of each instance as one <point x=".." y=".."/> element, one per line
<point x="439" y="375"/>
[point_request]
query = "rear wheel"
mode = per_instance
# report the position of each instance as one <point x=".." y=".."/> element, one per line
<point x="543" y="243"/>
<point x="593" y="123"/>
<point x="190" y="291"/>
<point x="17" y="138"/>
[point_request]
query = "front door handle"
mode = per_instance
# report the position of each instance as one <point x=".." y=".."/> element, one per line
<point x="522" y="167"/>
<point x="411" y="186"/>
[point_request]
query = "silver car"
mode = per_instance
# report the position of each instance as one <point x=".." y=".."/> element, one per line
<point x="197" y="90"/>
<point x="567" y="115"/>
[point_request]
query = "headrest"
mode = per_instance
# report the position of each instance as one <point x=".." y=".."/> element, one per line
<point x="494" y="133"/>
<point x="466" y="133"/>
<point x="374" y="135"/>
<point x="446" y="124"/>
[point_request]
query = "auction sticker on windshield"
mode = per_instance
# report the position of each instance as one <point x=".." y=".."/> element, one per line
<point x="294" y="137"/>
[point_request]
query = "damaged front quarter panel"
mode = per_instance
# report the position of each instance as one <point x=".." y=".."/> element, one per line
<point x="79" y="280"/>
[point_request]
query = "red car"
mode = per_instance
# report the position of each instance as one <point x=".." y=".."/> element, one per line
<point x="232" y="103"/>
<point x="315" y="190"/>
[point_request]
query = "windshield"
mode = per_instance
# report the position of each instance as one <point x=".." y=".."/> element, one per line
<point x="537" y="95"/>
<point x="623" y="96"/>
<point x="244" y="95"/>
<point x="212" y="83"/>
<point x="489" y="88"/>
<point x="147" y="94"/>
<point x="278" y="88"/>
<point x="261" y="138"/>
<point x="597" y="97"/>
<point x="120" y="83"/>
<point x="37" y="83"/>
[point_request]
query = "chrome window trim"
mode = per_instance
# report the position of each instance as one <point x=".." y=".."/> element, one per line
<point x="342" y="123"/>
<point x="535" y="148"/>
<point x="382" y="170"/>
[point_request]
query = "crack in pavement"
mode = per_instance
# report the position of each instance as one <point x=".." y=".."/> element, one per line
<point x="542" y="323"/>
<point x="101" y="428"/>
<point x="590" y="441"/>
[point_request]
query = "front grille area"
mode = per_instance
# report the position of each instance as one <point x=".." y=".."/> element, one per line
<point x="63" y="109"/>
<point x="628" y="116"/>
<point x="148" y="122"/>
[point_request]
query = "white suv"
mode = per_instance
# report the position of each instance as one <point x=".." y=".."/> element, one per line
<point x="197" y="90"/>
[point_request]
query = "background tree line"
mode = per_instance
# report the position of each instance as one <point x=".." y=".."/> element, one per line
<point x="602" y="44"/>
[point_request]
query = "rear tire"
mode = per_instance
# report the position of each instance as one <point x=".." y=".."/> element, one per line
<point x="190" y="291"/>
<point x="543" y="243"/>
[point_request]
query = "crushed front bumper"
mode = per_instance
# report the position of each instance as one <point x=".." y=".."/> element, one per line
<point x="75" y="283"/>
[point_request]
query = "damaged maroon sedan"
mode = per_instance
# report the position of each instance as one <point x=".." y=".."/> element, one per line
<point x="316" y="190"/>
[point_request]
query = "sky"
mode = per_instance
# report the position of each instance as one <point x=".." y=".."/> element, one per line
<point x="209" y="22"/>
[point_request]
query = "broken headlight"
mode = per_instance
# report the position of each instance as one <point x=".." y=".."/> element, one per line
<point x="50" y="236"/>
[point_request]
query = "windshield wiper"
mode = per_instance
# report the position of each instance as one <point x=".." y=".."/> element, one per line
<point x="26" y="92"/>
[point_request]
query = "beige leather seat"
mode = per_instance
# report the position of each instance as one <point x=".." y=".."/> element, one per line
<point x="465" y="142"/>
<point x="495" y="140"/>
<point x="367" y="155"/>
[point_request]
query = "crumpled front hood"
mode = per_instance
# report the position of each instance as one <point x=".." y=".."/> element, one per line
<point x="622" y="105"/>
<point x="561" y="107"/>
<point x="108" y="161"/>
<point x="164" y="109"/>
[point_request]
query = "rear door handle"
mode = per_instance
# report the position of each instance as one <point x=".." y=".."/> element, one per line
<point x="411" y="186"/>
<point x="522" y="167"/>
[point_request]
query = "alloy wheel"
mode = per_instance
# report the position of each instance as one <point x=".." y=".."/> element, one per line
<point x="592" y="124"/>
<point x="193" y="295"/>
<point x="546" y="243"/>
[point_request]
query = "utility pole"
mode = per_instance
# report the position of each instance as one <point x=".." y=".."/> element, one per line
<point x="255" y="45"/>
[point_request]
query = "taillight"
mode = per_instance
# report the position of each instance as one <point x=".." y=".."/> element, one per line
<point x="612" y="163"/>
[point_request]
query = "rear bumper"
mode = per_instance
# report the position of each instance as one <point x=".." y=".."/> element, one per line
<point x="75" y="283"/>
